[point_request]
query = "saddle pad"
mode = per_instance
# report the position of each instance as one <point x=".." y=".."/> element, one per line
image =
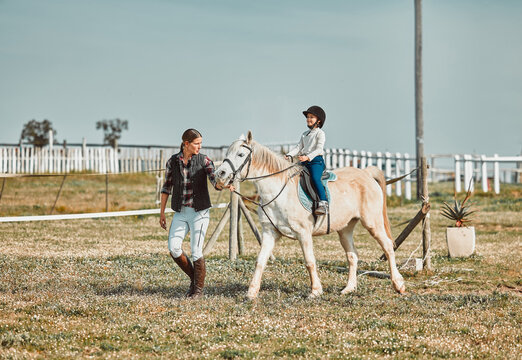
<point x="305" y="200"/>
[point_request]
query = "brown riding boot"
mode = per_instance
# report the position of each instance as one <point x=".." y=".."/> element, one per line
<point x="184" y="263"/>
<point x="200" y="272"/>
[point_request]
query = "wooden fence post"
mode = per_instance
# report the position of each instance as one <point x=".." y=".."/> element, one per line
<point x="51" y="142"/>
<point x="468" y="173"/>
<point x="2" y="190"/>
<point x="496" y="175"/>
<point x="388" y="172"/>
<point x="106" y="192"/>
<point x="398" y="169"/>
<point x="407" y="181"/>
<point x="457" y="174"/>
<point x="484" y="176"/>
<point x="240" y="237"/>
<point x="426" y="231"/>
<point x="233" y="244"/>
<point x="58" y="195"/>
<point x="219" y="228"/>
<point x="409" y="228"/>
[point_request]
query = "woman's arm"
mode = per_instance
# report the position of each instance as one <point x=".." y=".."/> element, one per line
<point x="165" y="192"/>
<point x="163" y="219"/>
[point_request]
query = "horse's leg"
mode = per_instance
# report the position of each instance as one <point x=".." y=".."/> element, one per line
<point x="379" y="233"/>
<point x="308" y="251"/>
<point x="346" y="239"/>
<point x="269" y="238"/>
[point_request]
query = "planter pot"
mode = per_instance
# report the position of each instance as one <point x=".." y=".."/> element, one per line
<point x="461" y="241"/>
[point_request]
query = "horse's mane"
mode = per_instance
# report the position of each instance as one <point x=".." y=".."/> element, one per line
<point x="270" y="162"/>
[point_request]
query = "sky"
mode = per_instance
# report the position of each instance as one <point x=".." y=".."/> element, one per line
<point x="225" y="67"/>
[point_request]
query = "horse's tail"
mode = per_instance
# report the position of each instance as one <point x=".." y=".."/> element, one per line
<point x="377" y="174"/>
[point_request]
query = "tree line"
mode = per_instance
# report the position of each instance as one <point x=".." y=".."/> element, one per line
<point x="37" y="132"/>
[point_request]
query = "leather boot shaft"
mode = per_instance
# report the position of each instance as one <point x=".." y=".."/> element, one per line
<point x="200" y="272"/>
<point x="184" y="263"/>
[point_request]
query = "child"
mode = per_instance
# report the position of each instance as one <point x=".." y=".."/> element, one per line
<point x="310" y="151"/>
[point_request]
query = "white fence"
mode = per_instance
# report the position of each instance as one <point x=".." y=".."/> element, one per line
<point x="486" y="169"/>
<point x="466" y="169"/>
<point x="31" y="160"/>
<point x="461" y="168"/>
<point x="393" y="165"/>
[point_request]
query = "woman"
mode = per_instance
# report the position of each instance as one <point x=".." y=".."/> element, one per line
<point x="186" y="180"/>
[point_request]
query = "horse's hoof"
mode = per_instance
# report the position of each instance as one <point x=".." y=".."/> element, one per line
<point x="315" y="294"/>
<point x="401" y="290"/>
<point x="251" y="296"/>
<point x="349" y="289"/>
<point x="251" y="300"/>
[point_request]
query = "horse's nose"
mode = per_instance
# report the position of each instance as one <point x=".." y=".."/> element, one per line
<point x="221" y="174"/>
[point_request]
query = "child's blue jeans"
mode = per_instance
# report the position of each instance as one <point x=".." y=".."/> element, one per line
<point x="316" y="167"/>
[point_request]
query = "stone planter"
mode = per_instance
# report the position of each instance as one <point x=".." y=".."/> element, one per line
<point x="461" y="241"/>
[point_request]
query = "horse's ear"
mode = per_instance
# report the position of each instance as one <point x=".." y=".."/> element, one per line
<point x="249" y="137"/>
<point x="242" y="137"/>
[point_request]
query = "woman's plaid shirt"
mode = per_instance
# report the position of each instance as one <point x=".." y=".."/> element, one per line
<point x="188" y="192"/>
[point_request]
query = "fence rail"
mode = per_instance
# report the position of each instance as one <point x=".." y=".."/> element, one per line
<point x="466" y="169"/>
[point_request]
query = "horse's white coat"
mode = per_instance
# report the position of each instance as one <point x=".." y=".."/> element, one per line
<point x="355" y="195"/>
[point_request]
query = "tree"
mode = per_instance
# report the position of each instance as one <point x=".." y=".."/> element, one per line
<point x="112" y="130"/>
<point x="37" y="133"/>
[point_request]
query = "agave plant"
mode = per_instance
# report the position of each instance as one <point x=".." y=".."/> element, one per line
<point x="459" y="211"/>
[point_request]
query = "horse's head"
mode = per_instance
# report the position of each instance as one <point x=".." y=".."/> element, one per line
<point x="237" y="161"/>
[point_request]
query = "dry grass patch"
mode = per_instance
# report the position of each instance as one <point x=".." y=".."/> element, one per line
<point x="106" y="288"/>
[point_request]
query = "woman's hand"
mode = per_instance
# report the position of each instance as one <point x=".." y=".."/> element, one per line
<point x="229" y="187"/>
<point x="304" y="158"/>
<point x="163" y="221"/>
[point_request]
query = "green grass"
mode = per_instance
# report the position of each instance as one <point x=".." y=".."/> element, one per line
<point x="106" y="288"/>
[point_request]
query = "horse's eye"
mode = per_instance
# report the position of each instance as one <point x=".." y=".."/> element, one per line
<point x="241" y="155"/>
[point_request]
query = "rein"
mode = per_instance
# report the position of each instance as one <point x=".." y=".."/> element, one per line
<point x="249" y="160"/>
<point x="238" y="170"/>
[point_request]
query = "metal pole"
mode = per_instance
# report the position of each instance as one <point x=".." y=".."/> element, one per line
<point x="419" y="121"/>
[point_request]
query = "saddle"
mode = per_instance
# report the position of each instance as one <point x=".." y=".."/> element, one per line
<point x="307" y="194"/>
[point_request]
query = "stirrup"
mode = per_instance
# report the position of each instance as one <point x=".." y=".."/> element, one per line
<point x="322" y="208"/>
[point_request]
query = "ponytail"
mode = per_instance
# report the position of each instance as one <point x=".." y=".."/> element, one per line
<point x="189" y="135"/>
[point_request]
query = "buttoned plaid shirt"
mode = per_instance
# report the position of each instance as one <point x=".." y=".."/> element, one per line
<point x="188" y="192"/>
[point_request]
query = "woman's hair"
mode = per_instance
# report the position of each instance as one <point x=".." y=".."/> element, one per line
<point x="189" y="135"/>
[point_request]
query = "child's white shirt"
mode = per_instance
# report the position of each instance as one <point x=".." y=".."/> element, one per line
<point x="311" y="144"/>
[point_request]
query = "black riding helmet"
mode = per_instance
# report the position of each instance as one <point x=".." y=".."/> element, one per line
<point x="317" y="111"/>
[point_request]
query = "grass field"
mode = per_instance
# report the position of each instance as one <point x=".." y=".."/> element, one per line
<point x="106" y="288"/>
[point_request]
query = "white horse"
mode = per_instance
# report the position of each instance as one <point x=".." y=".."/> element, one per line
<point x="357" y="194"/>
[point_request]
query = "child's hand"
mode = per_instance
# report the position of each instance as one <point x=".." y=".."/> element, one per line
<point x="304" y="158"/>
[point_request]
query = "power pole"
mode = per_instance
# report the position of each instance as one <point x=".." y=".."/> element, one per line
<point x="419" y="121"/>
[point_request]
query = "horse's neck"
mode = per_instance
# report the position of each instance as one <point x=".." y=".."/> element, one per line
<point x="271" y="186"/>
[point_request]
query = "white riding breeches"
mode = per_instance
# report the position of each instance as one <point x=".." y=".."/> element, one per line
<point x="184" y="221"/>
